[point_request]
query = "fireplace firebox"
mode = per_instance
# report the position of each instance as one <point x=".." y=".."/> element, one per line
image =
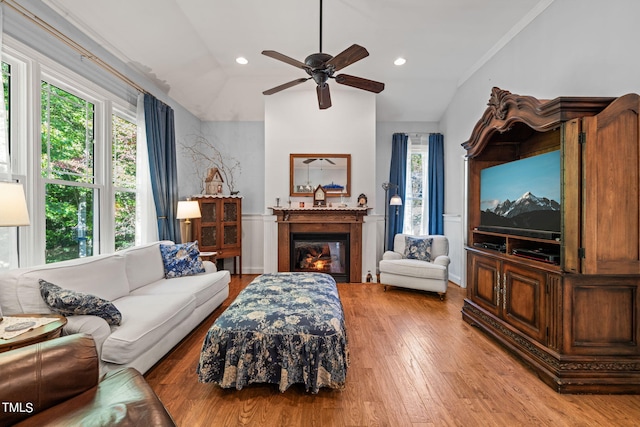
<point x="321" y="253"/>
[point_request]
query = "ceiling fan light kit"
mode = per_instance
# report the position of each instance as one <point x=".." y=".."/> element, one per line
<point x="321" y="67"/>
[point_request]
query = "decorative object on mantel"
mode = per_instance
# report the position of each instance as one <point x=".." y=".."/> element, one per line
<point x="319" y="197"/>
<point x="362" y="200"/>
<point x="204" y="157"/>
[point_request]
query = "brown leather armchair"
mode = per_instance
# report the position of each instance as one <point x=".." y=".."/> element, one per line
<point x="56" y="383"/>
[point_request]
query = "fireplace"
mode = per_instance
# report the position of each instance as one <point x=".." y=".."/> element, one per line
<point x="342" y="225"/>
<point x="322" y="253"/>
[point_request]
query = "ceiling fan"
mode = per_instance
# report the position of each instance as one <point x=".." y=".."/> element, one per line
<point x="322" y="66"/>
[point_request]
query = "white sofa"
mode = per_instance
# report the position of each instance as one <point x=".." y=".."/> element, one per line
<point x="433" y="276"/>
<point x="157" y="313"/>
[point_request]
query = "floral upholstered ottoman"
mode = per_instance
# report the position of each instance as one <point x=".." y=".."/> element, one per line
<point x="283" y="328"/>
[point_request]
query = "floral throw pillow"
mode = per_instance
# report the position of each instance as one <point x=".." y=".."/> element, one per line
<point x="182" y="259"/>
<point x="417" y="248"/>
<point x="70" y="303"/>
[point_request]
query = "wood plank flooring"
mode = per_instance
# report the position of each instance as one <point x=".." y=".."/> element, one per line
<point x="414" y="362"/>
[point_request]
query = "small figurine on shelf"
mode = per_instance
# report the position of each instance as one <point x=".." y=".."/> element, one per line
<point x="362" y="201"/>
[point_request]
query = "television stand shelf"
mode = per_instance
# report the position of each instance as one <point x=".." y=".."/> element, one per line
<point x="524" y="249"/>
<point x="567" y="305"/>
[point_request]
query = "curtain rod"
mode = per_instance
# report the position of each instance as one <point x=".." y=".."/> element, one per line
<point x="72" y="44"/>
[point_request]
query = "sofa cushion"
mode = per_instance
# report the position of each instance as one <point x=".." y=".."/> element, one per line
<point x="146" y="319"/>
<point x="103" y="276"/>
<point x="202" y="286"/>
<point x="70" y="303"/>
<point x="418" y="248"/>
<point x="145" y="255"/>
<point x="181" y="259"/>
<point x="413" y="268"/>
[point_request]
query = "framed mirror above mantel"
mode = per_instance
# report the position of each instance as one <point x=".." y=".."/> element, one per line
<point x="332" y="171"/>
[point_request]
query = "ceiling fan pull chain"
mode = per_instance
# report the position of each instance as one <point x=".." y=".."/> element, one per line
<point x="320" y="26"/>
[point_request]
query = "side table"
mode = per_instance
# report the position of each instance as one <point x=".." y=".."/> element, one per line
<point x="209" y="256"/>
<point x="36" y="335"/>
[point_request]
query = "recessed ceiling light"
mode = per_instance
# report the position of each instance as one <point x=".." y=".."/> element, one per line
<point x="242" y="60"/>
<point x="400" y="61"/>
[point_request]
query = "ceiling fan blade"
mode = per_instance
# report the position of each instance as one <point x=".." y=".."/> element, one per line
<point x="306" y="162"/>
<point x="324" y="97"/>
<point x="360" y="83"/>
<point x="285" y="86"/>
<point x="347" y="57"/>
<point x="284" y="58"/>
<point x="330" y="161"/>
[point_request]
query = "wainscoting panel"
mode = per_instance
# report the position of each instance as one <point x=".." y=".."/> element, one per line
<point x="453" y="231"/>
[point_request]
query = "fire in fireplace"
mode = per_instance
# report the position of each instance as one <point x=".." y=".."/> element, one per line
<point x="323" y="253"/>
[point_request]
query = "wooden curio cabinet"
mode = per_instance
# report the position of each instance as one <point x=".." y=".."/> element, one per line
<point x="220" y="227"/>
<point x="572" y="316"/>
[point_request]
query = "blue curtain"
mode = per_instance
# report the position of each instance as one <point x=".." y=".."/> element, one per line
<point x="436" y="183"/>
<point x="397" y="176"/>
<point x="161" y="145"/>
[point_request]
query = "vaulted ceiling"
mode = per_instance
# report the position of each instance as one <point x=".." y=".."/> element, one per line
<point x="189" y="47"/>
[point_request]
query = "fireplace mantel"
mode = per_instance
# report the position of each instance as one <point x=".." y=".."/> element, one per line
<point x="322" y="220"/>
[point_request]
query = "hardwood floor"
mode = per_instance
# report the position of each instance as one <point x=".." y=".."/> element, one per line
<point x="414" y="362"/>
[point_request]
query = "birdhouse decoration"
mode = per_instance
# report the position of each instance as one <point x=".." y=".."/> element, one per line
<point x="213" y="182"/>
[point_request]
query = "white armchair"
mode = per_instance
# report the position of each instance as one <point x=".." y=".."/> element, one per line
<point x="417" y="262"/>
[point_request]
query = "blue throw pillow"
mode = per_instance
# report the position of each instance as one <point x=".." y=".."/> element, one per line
<point x="70" y="303"/>
<point x="417" y="248"/>
<point x="181" y="259"/>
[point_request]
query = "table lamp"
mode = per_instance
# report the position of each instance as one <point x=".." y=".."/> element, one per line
<point x="14" y="205"/>
<point x="14" y="208"/>
<point x="187" y="209"/>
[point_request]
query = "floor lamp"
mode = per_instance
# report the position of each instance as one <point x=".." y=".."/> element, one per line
<point x="187" y="210"/>
<point x="395" y="201"/>
<point x="14" y="211"/>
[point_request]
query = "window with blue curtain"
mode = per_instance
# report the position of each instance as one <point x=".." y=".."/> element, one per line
<point x="424" y="194"/>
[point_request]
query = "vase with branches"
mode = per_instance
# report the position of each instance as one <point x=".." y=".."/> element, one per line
<point x="204" y="155"/>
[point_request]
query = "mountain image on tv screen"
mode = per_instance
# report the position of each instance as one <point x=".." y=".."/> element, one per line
<point x="522" y="194"/>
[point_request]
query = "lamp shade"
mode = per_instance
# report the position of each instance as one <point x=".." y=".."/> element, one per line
<point x="395" y="200"/>
<point x="13" y="205"/>
<point x="188" y="209"/>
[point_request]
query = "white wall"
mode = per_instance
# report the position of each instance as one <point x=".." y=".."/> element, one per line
<point x="294" y="124"/>
<point x="574" y="48"/>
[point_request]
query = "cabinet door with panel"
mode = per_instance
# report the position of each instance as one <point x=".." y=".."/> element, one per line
<point x="611" y="189"/>
<point x="484" y="281"/>
<point x="510" y="291"/>
<point x="220" y="227"/>
<point x="207" y="226"/>
<point x="523" y="299"/>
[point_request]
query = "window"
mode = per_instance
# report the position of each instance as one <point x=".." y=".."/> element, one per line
<point x="416" y="211"/>
<point x="4" y="148"/>
<point x="67" y="167"/>
<point x="79" y="172"/>
<point x="124" y="180"/>
<point x="6" y="233"/>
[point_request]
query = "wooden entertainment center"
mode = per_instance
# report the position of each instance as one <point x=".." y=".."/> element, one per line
<point x="576" y="320"/>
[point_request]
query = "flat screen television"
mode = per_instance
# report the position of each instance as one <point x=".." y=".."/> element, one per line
<point x="522" y="197"/>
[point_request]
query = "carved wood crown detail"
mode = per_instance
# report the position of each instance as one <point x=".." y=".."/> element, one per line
<point x="497" y="102"/>
<point x="505" y="109"/>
